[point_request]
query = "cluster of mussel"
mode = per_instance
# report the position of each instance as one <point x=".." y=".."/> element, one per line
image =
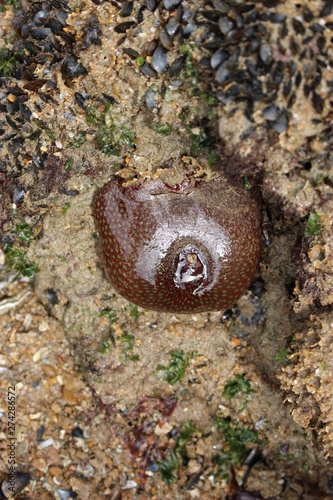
<point x="42" y="42"/>
<point x="251" y="51"/>
<point x="174" y="27"/>
<point x="43" y="39"/>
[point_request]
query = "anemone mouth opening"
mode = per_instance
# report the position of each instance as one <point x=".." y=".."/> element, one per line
<point x="190" y="269"/>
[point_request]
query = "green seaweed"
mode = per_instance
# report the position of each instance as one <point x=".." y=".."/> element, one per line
<point x="319" y="179"/>
<point x="66" y="207"/>
<point x="170" y="464"/>
<point x="140" y="61"/>
<point x="313" y="224"/>
<point x="234" y="449"/>
<point x="237" y="385"/>
<point x="23" y="232"/>
<point x="187" y="433"/>
<point x="281" y="357"/>
<point x="7" y="60"/>
<point x="108" y="313"/>
<point x="14" y="3"/>
<point x="16" y="252"/>
<point x="107" y="143"/>
<point x="18" y="261"/>
<point x="175" y="371"/>
<point x="111" y="139"/>
<point x="202" y="141"/>
<point x="246" y="182"/>
<point x="127" y="342"/>
<point x="134" y="312"/>
<point x="168" y="467"/>
<point x="107" y="345"/>
<point x="209" y="99"/>
<point x="51" y="132"/>
<point x="91" y="115"/>
<point x="78" y="140"/>
<point x="163" y="128"/>
<point x="68" y="165"/>
<point x="189" y="70"/>
<point x="213" y="158"/>
<point x="127" y="137"/>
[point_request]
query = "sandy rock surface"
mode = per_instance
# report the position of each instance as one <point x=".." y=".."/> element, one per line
<point x="248" y="407"/>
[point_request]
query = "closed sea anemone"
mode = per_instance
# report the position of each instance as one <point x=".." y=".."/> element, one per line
<point x="182" y="248"/>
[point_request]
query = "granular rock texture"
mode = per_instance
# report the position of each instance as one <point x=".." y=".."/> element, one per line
<point x="308" y="378"/>
<point x="236" y="89"/>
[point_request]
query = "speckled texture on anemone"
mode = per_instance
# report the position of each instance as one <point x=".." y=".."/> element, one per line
<point x="191" y="247"/>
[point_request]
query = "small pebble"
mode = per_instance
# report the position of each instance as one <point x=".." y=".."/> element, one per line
<point x="43" y="327"/>
<point x="85" y="469"/>
<point x="49" y="370"/>
<point x="35" y="416"/>
<point x="164" y="429"/>
<point x="129" y="485"/>
<point x="66" y="494"/>
<point x="55" y="471"/>
<point x="27" y="321"/>
<point x="193" y="467"/>
<point x="150" y="100"/>
<point x="194" y="493"/>
<point x="70" y="396"/>
<point x="46" y="443"/>
<point x="38" y="354"/>
<point x="2" y="258"/>
<point x="39" y="463"/>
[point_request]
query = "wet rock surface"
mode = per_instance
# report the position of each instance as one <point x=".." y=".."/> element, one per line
<point x="158" y="90"/>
